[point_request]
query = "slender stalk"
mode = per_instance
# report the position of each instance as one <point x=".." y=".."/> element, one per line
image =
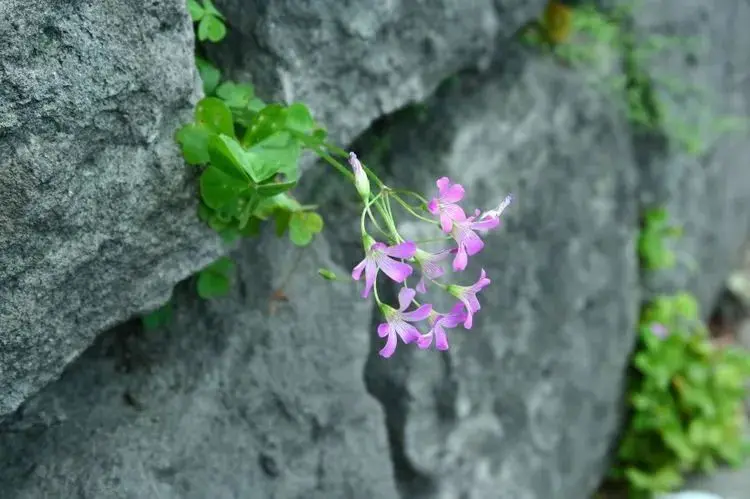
<point x="410" y="210"/>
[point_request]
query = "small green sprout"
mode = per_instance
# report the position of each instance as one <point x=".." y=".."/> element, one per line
<point x="210" y="21"/>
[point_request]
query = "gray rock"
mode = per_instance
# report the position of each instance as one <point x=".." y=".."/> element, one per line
<point x="526" y="404"/>
<point x="352" y="62"/>
<point x="234" y="399"/>
<point x="98" y="216"/>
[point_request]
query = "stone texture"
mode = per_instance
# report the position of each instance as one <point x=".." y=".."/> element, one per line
<point x="352" y="62"/>
<point x="235" y="398"/>
<point x="98" y="216"/>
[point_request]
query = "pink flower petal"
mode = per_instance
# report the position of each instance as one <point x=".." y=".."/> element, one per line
<point x="407" y="332"/>
<point x="455" y="212"/>
<point x="453" y="194"/>
<point x="357" y="271"/>
<point x="486" y="224"/>
<point x="421" y="286"/>
<point x="419" y="314"/>
<point x="469" y="320"/>
<point x="405" y="296"/>
<point x="461" y="259"/>
<point x="441" y="339"/>
<point x="424" y="341"/>
<point x="403" y="250"/>
<point x="371" y="273"/>
<point x="442" y="184"/>
<point x="432" y="206"/>
<point x="389" y="347"/>
<point x="473" y="243"/>
<point x="446" y="222"/>
<point x="397" y="271"/>
<point x="383" y="329"/>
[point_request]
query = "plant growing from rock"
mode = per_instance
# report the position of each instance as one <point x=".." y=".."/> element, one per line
<point x="582" y="36"/>
<point x="685" y="395"/>
<point x="249" y="153"/>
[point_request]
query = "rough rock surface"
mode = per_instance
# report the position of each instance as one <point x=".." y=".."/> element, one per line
<point x="234" y="398"/>
<point x="98" y="217"/>
<point x="353" y="62"/>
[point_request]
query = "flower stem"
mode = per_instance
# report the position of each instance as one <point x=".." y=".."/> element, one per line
<point x="410" y="210"/>
<point x="365" y="210"/>
<point x="411" y="193"/>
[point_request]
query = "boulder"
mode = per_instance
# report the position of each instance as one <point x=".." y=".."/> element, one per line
<point x="352" y="62"/>
<point x="242" y="396"/>
<point x="98" y="216"/>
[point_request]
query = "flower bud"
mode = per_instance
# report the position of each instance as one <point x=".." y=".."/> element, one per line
<point x="361" y="182"/>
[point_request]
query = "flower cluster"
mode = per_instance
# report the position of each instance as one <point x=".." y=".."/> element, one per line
<point x="397" y="258"/>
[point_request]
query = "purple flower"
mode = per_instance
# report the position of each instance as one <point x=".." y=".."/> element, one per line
<point x="429" y="263"/>
<point x="445" y="205"/>
<point x="468" y="296"/>
<point x="361" y="182"/>
<point x="495" y="214"/>
<point x="397" y="322"/>
<point x="379" y="257"/>
<point x="660" y="330"/>
<point x="439" y="322"/>
<point x="469" y="243"/>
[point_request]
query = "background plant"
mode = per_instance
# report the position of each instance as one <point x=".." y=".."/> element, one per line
<point x="685" y="395"/>
<point x="582" y="36"/>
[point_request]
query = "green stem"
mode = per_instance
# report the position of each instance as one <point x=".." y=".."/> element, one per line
<point x="411" y="193"/>
<point x="336" y="150"/>
<point x="343" y="170"/>
<point x="434" y="240"/>
<point x="367" y="209"/>
<point x="410" y="210"/>
<point x="376" y="224"/>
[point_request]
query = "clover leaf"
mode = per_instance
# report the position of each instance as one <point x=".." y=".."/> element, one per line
<point x="303" y="226"/>
<point x="210" y="75"/>
<point x="214" y="280"/>
<point x="157" y="318"/>
<point x="193" y="138"/>
<point x="217" y="117"/>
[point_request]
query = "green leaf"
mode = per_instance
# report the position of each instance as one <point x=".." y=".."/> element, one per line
<point x="303" y="226"/>
<point x="217" y="117"/>
<point x="273" y="189"/>
<point x="157" y="318"/>
<point x="211" y="285"/>
<point x="298" y="118"/>
<point x="256" y="105"/>
<point x="313" y="222"/>
<point x="686" y="305"/>
<point x="235" y="94"/>
<point x="193" y="138"/>
<point x="281" y="220"/>
<point x="219" y="190"/>
<point x="278" y="153"/>
<point x="196" y="11"/>
<point x="252" y="228"/>
<point x="210" y="75"/>
<point x="214" y="280"/>
<point x="211" y="28"/>
<point x="251" y="201"/>
<point x="208" y="6"/>
<point x="228" y="156"/>
<point x="269" y="120"/>
<point x="327" y="274"/>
